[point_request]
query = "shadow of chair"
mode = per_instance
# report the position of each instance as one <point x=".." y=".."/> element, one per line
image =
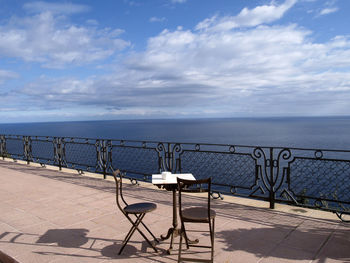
<point x="195" y="214"/>
<point x="139" y="210"/>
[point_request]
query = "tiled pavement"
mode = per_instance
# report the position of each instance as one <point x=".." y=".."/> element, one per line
<point x="51" y="216"/>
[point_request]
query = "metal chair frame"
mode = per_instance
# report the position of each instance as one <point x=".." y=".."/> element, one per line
<point x="185" y="186"/>
<point x="138" y="214"/>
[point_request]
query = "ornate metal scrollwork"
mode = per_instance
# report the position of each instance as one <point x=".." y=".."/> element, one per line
<point x="233" y="190"/>
<point x="273" y="170"/>
<point x="318" y="154"/>
<point x="168" y="157"/>
<point x="59" y="152"/>
<point x="3" y="152"/>
<point x="280" y="164"/>
<point x="216" y="195"/>
<point x="134" y="181"/>
<point x="304" y="177"/>
<point x="262" y="163"/>
<point x="27" y="148"/>
<point x="104" y="156"/>
<point x="341" y="216"/>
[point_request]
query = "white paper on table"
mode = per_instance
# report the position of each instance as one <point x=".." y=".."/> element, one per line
<point x="170" y="178"/>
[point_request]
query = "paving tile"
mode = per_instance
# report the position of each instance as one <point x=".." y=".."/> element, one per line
<point x="247" y="243"/>
<point x="26" y="221"/>
<point x="107" y="233"/>
<point x="112" y="220"/>
<point x="330" y="260"/>
<point x="25" y="204"/>
<point x="65" y="217"/>
<point x="288" y="254"/>
<point x="65" y="220"/>
<point x="337" y="248"/>
<point x="7" y="208"/>
<point x="14" y="214"/>
<point x="88" y="224"/>
<point x="236" y="256"/>
<point x="38" y="229"/>
<point x="315" y="239"/>
<point x="42" y="254"/>
<point x="46" y="212"/>
<point x="6" y="228"/>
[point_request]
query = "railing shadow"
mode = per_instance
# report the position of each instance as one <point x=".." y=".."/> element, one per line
<point x="306" y="244"/>
<point x="79" y="239"/>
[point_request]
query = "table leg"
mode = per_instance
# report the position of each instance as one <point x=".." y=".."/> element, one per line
<point x="173" y="231"/>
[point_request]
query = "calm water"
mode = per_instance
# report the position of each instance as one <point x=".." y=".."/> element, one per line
<point x="320" y="132"/>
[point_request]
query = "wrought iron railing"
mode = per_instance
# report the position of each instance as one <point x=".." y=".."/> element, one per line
<point x="315" y="178"/>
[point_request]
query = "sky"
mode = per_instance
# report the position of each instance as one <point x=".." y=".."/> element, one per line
<point x="137" y="59"/>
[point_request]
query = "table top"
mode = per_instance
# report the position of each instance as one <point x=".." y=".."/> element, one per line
<point x="158" y="179"/>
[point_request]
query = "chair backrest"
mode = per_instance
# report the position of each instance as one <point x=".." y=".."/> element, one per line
<point x="194" y="186"/>
<point x="119" y="188"/>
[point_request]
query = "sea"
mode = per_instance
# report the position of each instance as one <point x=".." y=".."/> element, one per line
<point x="301" y="132"/>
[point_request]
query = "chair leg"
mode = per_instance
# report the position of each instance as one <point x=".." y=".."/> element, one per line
<point x="133" y="229"/>
<point x="212" y="234"/>
<point x="149" y="231"/>
<point x="180" y="244"/>
<point x="185" y="235"/>
<point x="148" y="241"/>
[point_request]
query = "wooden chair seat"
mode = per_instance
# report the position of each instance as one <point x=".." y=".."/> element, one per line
<point x="140" y="208"/>
<point x="197" y="214"/>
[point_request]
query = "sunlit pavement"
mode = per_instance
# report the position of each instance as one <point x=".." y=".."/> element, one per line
<point x="52" y="216"/>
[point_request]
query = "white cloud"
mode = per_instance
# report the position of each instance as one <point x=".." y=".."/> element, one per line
<point x="157" y="19"/>
<point x="266" y="70"/>
<point x="61" y="8"/>
<point x="247" y="17"/>
<point x="178" y="1"/>
<point x="262" y="70"/>
<point x="6" y="74"/>
<point x="54" y="42"/>
<point x="92" y="22"/>
<point x="327" y="11"/>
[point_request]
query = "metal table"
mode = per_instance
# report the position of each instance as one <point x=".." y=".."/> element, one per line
<point x="170" y="184"/>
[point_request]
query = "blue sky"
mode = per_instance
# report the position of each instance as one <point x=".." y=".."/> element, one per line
<point x="132" y="59"/>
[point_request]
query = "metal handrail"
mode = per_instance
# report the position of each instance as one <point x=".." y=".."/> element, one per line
<point x="317" y="178"/>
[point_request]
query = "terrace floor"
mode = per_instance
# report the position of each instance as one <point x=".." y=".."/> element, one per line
<point x="52" y="216"/>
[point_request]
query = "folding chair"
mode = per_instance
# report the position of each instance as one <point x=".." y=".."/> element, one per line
<point x="139" y="210"/>
<point x="195" y="214"/>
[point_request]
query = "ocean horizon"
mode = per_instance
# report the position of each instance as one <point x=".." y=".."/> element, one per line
<point x="301" y="132"/>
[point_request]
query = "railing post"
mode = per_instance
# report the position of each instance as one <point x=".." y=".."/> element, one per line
<point x="169" y="157"/>
<point x="2" y="146"/>
<point x="104" y="158"/>
<point x="103" y="155"/>
<point x="27" y="148"/>
<point x="272" y="196"/>
<point x="60" y="153"/>
<point x="58" y="144"/>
